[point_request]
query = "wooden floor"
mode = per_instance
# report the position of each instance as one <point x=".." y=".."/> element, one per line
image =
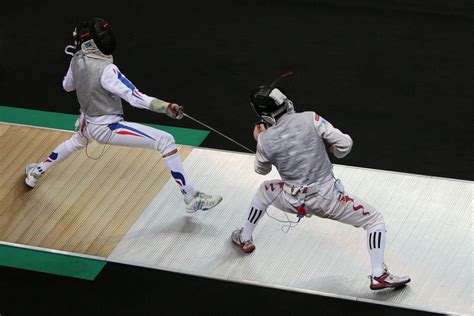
<point x="81" y="205"/>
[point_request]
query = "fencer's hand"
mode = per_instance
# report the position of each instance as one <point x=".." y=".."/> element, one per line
<point x="175" y="111"/>
<point x="259" y="127"/>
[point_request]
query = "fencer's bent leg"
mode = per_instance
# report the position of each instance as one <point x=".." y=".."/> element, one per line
<point x="132" y="135"/>
<point x="243" y="237"/>
<point x="63" y="151"/>
<point x="266" y="194"/>
<point x="35" y="171"/>
<point x="376" y="237"/>
<point x="351" y="210"/>
<point x="253" y="216"/>
<point x="360" y="214"/>
<point x="138" y="135"/>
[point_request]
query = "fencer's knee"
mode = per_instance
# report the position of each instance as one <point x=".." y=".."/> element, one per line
<point x="376" y="223"/>
<point x="266" y="194"/>
<point x="263" y="188"/>
<point x="166" y="143"/>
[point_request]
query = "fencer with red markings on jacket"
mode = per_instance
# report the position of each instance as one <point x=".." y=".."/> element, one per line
<point x="295" y="144"/>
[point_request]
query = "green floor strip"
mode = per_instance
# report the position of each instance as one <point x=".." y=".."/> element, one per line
<point x="183" y="136"/>
<point x="53" y="263"/>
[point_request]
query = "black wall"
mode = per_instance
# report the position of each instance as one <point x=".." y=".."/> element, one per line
<point x="398" y="81"/>
<point x="457" y="7"/>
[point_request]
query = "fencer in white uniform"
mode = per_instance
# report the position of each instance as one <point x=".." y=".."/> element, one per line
<point x="100" y="87"/>
<point x="295" y="144"/>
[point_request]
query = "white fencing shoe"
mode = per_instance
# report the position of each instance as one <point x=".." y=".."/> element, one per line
<point x="32" y="175"/>
<point x="247" y="246"/>
<point x="201" y="201"/>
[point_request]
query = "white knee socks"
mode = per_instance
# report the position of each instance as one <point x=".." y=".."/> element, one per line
<point x="253" y="216"/>
<point x="376" y="245"/>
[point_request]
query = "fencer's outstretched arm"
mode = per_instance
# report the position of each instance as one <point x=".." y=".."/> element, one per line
<point x="68" y="81"/>
<point x="115" y="82"/>
<point x="341" y="144"/>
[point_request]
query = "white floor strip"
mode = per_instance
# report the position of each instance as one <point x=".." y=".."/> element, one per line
<point x="429" y="222"/>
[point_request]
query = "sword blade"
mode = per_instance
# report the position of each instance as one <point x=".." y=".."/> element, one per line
<point x="216" y="131"/>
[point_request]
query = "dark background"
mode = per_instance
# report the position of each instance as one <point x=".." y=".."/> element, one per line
<point x="396" y="75"/>
<point x="400" y="82"/>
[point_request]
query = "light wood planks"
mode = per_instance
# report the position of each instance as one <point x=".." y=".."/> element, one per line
<point x="3" y="128"/>
<point x="81" y="205"/>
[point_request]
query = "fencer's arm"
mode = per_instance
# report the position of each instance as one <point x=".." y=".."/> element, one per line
<point x="261" y="164"/>
<point x="68" y="81"/>
<point x="115" y="82"/>
<point x="340" y="143"/>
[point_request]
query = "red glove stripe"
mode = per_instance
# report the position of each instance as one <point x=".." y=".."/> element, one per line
<point x="171" y="108"/>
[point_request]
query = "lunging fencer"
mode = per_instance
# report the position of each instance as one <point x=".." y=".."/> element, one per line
<point x="100" y="86"/>
<point x="295" y="144"/>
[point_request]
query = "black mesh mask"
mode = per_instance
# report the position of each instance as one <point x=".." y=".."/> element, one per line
<point x="99" y="30"/>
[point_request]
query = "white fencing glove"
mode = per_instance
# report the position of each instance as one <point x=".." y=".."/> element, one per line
<point x="171" y="109"/>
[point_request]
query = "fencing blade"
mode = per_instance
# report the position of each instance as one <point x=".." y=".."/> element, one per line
<point x="214" y="130"/>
